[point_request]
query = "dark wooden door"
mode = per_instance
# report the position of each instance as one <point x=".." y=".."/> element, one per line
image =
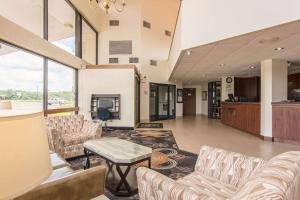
<point x="189" y="101"/>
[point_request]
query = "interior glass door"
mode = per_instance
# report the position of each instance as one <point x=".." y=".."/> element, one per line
<point x="162" y="101"/>
<point x="153" y="102"/>
<point x="172" y="102"/>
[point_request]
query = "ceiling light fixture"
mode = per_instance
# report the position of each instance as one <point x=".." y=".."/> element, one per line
<point x="222" y="65"/>
<point x="68" y="25"/>
<point x="106" y="4"/>
<point x="252" y="67"/>
<point x="188" y="52"/>
<point x="279" y="48"/>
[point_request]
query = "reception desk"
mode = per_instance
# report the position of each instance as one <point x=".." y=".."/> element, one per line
<point x="242" y="115"/>
<point x="286" y="122"/>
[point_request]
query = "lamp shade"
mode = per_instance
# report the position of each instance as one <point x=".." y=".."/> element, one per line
<point x="5" y="105"/>
<point x="24" y="152"/>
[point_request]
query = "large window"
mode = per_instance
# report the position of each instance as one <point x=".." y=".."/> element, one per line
<point x="25" y="13"/>
<point x="61" y="25"/>
<point x="89" y="43"/>
<point x="61" y="86"/>
<point x="21" y="78"/>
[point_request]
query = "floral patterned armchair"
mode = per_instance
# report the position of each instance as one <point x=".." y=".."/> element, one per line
<point x="66" y="134"/>
<point x="221" y="175"/>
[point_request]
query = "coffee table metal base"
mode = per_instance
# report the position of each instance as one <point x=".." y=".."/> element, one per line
<point x="122" y="188"/>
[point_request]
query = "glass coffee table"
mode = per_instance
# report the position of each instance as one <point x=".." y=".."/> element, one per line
<point x="119" y="155"/>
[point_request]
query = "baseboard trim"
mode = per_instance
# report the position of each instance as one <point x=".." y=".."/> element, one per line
<point x="287" y="141"/>
<point x="267" y="138"/>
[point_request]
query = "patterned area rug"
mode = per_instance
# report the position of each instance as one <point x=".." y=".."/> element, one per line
<point x="166" y="157"/>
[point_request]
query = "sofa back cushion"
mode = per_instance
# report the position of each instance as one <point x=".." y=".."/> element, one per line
<point x="279" y="178"/>
<point x="65" y="124"/>
<point x="228" y="167"/>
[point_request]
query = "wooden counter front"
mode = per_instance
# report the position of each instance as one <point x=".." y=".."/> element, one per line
<point x="286" y="122"/>
<point x="242" y="115"/>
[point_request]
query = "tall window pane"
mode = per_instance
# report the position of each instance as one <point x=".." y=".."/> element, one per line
<point x="61" y="25"/>
<point x="61" y="86"/>
<point x="21" y="78"/>
<point x="25" y="13"/>
<point x="88" y="43"/>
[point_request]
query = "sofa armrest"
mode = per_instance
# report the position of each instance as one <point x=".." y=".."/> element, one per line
<point x="229" y="167"/>
<point x="92" y="128"/>
<point x="153" y="185"/>
<point x="83" y="185"/>
<point x="58" y="142"/>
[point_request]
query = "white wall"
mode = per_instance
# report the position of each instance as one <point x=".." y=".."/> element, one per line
<point x="108" y="81"/>
<point x="205" y="21"/>
<point x="204" y="104"/>
<point x="273" y="88"/>
<point x="226" y="88"/>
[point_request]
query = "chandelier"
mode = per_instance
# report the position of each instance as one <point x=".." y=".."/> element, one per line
<point x="106" y="4"/>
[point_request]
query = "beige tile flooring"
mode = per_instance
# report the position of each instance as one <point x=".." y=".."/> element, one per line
<point x="191" y="132"/>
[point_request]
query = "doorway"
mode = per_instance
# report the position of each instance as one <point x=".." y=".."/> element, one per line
<point x="189" y="101"/>
<point x="162" y="101"/>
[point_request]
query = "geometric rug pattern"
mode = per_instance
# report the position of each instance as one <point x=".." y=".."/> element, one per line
<point x="166" y="157"/>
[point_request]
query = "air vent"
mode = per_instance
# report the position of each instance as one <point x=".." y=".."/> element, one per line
<point x="113" y="60"/>
<point x="123" y="47"/>
<point x="134" y="60"/>
<point x="114" y="22"/>
<point x="153" y="62"/>
<point x="147" y="24"/>
<point x="168" y="33"/>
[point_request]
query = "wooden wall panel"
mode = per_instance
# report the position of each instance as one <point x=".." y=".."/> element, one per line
<point x="243" y="116"/>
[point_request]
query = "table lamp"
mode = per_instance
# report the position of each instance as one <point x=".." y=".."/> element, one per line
<point x="24" y="152"/>
<point x="5" y="105"/>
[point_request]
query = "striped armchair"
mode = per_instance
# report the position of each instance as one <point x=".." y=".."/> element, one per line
<point x="66" y="134"/>
<point x="221" y="175"/>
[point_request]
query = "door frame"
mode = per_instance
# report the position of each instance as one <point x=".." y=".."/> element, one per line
<point x="157" y="101"/>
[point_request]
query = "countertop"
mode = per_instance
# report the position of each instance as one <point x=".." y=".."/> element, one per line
<point x="286" y="103"/>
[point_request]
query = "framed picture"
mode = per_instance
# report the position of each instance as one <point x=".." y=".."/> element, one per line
<point x="179" y="96"/>
<point x="204" y="95"/>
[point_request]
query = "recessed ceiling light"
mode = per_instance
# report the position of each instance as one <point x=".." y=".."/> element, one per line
<point x="68" y="25"/>
<point x="269" y="40"/>
<point x="188" y="52"/>
<point x="222" y="65"/>
<point x="252" y="67"/>
<point x="278" y="48"/>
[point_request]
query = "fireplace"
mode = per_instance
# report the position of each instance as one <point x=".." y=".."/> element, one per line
<point x="109" y="101"/>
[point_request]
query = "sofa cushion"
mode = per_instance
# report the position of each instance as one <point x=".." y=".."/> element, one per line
<point x="279" y="178"/>
<point x="76" y="138"/>
<point x="228" y="167"/>
<point x="207" y="187"/>
<point x="59" y="173"/>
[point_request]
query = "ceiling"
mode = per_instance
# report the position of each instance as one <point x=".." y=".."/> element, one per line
<point x="235" y="56"/>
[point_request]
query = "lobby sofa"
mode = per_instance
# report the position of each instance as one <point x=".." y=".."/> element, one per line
<point x="65" y="183"/>
<point x="66" y="134"/>
<point x="221" y="175"/>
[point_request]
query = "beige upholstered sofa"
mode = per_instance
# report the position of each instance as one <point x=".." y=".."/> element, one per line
<point x="67" y="134"/>
<point x="220" y="175"/>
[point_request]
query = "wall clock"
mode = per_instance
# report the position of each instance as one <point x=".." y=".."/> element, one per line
<point x="228" y="80"/>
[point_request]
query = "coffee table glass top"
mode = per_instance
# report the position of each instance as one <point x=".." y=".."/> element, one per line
<point x="118" y="150"/>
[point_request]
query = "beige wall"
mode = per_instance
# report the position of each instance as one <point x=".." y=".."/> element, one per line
<point x="108" y="81"/>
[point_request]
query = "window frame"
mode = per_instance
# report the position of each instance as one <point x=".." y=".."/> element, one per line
<point x="78" y="48"/>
